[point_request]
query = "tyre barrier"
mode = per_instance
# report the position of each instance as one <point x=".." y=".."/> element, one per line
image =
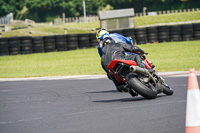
<point x="175" y="33"/>
<point x="93" y="40"/>
<point x="49" y="44"/>
<point x="4" y="50"/>
<point x="196" y="31"/>
<point x="141" y="35"/>
<point x="129" y="33"/>
<point x="72" y="41"/>
<point x="116" y="31"/>
<point x="163" y="34"/>
<point x="38" y="44"/>
<point x="26" y="45"/>
<point x="152" y="34"/>
<point x="61" y="42"/>
<point x="83" y="41"/>
<point x="14" y="45"/>
<point x="187" y="32"/>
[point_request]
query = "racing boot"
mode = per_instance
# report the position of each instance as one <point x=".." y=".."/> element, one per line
<point x="122" y="88"/>
<point x="132" y="92"/>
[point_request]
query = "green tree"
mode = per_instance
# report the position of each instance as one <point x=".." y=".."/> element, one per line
<point x="11" y="6"/>
<point x="47" y="10"/>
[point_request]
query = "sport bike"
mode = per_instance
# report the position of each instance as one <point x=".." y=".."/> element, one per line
<point x="139" y="80"/>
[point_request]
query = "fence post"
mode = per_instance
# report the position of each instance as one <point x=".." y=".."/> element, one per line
<point x="63" y="18"/>
<point x="30" y="30"/>
<point x="144" y="11"/>
<point x="65" y="31"/>
<point x="163" y="12"/>
<point x="67" y="20"/>
<point x="97" y="18"/>
<point x="0" y="31"/>
<point x="70" y="19"/>
<point x="93" y="29"/>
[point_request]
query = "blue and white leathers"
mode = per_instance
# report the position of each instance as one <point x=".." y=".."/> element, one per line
<point x="117" y="38"/>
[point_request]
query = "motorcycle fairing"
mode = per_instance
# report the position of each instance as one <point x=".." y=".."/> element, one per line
<point x="114" y="62"/>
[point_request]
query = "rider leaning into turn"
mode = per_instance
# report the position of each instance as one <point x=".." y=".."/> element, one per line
<point x="103" y="33"/>
<point x="115" y="46"/>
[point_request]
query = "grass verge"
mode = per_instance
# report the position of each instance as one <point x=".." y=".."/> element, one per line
<point x="171" y="56"/>
<point x="167" y="18"/>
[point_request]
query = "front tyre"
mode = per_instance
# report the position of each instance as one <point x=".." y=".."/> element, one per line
<point x="167" y="89"/>
<point x="147" y="91"/>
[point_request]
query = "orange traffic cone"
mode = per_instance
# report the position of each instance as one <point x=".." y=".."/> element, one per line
<point x="193" y="104"/>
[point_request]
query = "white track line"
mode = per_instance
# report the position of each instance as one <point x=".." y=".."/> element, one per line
<point x="81" y="77"/>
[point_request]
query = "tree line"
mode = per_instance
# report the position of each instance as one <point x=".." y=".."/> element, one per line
<point x="48" y="10"/>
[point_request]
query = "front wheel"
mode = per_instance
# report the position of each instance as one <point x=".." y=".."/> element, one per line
<point x="167" y="89"/>
<point x="147" y="91"/>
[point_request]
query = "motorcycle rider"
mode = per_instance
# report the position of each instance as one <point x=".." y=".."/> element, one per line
<point x="113" y="47"/>
<point x="116" y="37"/>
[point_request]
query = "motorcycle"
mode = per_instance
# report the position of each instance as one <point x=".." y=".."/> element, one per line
<point x="139" y="80"/>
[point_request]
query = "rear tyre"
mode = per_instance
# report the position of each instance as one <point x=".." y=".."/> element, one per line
<point x="147" y="91"/>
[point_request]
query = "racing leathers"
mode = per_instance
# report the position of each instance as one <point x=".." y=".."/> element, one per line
<point x="117" y="38"/>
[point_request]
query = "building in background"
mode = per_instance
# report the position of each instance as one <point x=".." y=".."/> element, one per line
<point x="117" y="19"/>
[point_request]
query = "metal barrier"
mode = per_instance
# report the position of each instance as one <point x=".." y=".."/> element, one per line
<point x="6" y="19"/>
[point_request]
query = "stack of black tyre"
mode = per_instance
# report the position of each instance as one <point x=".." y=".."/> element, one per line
<point x="187" y="32"/>
<point x="26" y="45"/>
<point x="72" y="41"/>
<point x="4" y="46"/>
<point x="152" y="34"/>
<point x="83" y="41"/>
<point x="93" y="40"/>
<point x="61" y="42"/>
<point x="163" y="34"/>
<point x="196" y="31"/>
<point x="129" y="33"/>
<point x="37" y="44"/>
<point x="175" y="33"/>
<point x="14" y="45"/>
<point x="141" y="36"/>
<point x="117" y="31"/>
<point x="49" y="44"/>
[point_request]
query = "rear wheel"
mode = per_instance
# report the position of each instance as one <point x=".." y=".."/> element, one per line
<point x="148" y="91"/>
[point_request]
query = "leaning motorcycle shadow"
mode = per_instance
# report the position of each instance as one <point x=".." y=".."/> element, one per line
<point x="108" y="91"/>
<point x="130" y="99"/>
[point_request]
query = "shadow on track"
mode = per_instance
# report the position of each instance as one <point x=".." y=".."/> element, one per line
<point x="108" y="91"/>
<point x="131" y="99"/>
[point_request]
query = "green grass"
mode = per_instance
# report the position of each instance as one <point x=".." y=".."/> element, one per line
<point x="167" y="18"/>
<point x="174" y="56"/>
<point x="46" y="29"/>
<point x="171" y="56"/>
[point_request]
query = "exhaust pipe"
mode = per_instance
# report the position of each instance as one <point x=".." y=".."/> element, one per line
<point x="142" y="71"/>
<point x="138" y="70"/>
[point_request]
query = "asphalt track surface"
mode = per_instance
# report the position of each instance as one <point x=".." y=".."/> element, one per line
<point x="88" y="106"/>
